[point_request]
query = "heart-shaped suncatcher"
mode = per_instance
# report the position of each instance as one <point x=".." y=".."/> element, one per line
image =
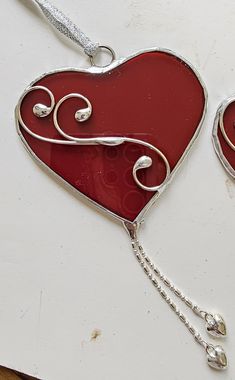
<point x="153" y="96"/>
<point x="117" y="135"/>
<point x="224" y="135"/>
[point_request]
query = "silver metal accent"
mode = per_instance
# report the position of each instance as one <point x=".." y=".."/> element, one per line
<point x="114" y="141"/>
<point x="83" y="115"/>
<point x="99" y="50"/>
<point x="215" y="325"/>
<point x="40" y="110"/>
<point x="150" y="269"/>
<point x="219" y="123"/>
<point x="216" y="357"/>
<point x="145" y="162"/>
<point x="65" y="26"/>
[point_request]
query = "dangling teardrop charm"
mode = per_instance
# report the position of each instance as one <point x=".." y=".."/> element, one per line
<point x="216" y="357"/>
<point x="215" y="325"/>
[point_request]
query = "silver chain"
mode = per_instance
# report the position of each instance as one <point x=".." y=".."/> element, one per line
<point x="216" y="356"/>
<point x="190" y="304"/>
<point x="152" y="271"/>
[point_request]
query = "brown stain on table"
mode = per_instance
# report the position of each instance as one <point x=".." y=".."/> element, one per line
<point x="7" y="374"/>
<point x="94" y="335"/>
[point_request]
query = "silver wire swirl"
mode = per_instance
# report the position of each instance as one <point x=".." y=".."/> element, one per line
<point x="41" y="110"/>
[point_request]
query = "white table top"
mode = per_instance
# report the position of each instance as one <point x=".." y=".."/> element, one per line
<point x="67" y="271"/>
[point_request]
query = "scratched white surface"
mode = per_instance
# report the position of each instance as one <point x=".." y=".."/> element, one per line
<point x="65" y="270"/>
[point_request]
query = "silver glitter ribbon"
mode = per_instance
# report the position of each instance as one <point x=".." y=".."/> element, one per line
<point x="67" y="27"/>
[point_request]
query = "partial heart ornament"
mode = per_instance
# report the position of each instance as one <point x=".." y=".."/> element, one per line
<point x="115" y="134"/>
<point x="224" y="135"/>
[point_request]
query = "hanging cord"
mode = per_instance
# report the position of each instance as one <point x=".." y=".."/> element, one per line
<point x="67" y="27"/>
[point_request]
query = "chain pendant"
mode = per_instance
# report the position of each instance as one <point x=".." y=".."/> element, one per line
<point x="215" y="324"/>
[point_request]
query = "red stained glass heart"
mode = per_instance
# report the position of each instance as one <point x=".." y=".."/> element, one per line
<point x="224" y="135"/>
<point x="153" y="96"/>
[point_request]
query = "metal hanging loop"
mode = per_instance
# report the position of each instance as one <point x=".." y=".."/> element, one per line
<point x="103" y="48"/>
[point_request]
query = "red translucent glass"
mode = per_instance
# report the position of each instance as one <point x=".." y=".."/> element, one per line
<point x="229" y="126"/>
<point x="154" y="97"/>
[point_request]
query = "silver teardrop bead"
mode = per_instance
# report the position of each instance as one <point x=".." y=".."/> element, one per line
<point x="83" y="114"/>
<point x="40" y="110"/>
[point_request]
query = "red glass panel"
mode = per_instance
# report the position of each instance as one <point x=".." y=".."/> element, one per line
<point x="154" y="97"/>
<point x="229" y="126"/>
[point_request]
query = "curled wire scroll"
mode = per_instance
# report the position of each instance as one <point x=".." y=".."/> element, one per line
<point x="41" y="111"/>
